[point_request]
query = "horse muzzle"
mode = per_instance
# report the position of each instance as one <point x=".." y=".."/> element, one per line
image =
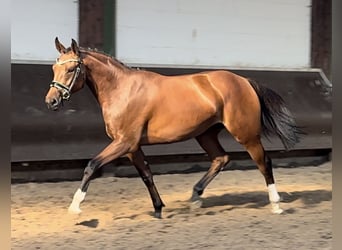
<point x="53" y="103"/>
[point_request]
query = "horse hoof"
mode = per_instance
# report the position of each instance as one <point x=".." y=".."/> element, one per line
<point x="158" y="215"/>
<point x="196" y="204"/>
<point x="276" y="209"/>
<point x="74" y="210"/>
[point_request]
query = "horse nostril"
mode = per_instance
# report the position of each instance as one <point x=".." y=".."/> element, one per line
<point x="54" y="102"/>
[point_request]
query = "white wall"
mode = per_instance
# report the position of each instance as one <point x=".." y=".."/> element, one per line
<point x="257" y="33"/>
<point x="235" y="33"/>
<point x="36" y="23"/>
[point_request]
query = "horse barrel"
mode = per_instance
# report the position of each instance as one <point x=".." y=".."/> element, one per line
<point x="77" y="130"/>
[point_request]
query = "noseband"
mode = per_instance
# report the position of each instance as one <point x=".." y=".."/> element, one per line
<point x="65" y="89"/>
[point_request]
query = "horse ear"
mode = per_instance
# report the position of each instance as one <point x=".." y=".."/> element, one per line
<point x="60" y="48"/>
<point x="74" y="47"/>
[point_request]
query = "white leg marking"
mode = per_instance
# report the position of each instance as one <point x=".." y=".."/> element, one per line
<point x="274" y="199"/>
<point x="196" y="204"/>
<point x="272" y="193"/>
<point x="74" y="207"/>
<point x="275" y="208"/>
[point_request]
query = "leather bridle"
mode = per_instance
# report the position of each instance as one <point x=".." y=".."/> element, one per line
<point x="62" y="87"/>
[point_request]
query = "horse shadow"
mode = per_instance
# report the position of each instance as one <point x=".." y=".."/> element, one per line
<point x="93" y="223"/>
<point x="256" y="199"/>
<point x="260" y="199"/>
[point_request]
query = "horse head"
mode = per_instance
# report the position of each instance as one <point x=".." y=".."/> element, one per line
<point x="69" y="75"/>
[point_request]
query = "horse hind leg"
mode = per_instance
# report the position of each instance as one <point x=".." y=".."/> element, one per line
<point x="219" y="159"/>
<point x="264" y="163"/>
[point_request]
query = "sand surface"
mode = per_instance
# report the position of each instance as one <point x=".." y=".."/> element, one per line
<point x="235" y="213"/>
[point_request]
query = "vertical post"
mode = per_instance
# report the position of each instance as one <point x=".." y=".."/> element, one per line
<point x="321" y="35"/>
<point x="109" y="26"/>
<point x="91" y="23"/>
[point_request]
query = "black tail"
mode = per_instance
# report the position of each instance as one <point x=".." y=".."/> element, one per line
<point x="276" y="118"/>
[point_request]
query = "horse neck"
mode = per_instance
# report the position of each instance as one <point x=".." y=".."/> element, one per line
<point x="103" y="74"/>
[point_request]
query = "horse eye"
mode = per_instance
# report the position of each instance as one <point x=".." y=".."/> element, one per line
<point x="70" y="70"/>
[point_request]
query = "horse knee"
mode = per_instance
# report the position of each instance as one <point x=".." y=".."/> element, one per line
<point x="90" y="168"/>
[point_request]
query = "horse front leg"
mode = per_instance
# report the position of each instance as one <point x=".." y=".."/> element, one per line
<point x="138" y="160"/>
<point x="114" y="150"/>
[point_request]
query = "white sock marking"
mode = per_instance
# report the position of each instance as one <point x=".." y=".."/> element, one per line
<point x="272" y="193"/>
<point x="275" y="208"/>
<point x="74" y="207"/>
<point x="274" y="199"/>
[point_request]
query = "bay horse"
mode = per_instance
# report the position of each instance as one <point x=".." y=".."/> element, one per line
<point x="143" y="108"/>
